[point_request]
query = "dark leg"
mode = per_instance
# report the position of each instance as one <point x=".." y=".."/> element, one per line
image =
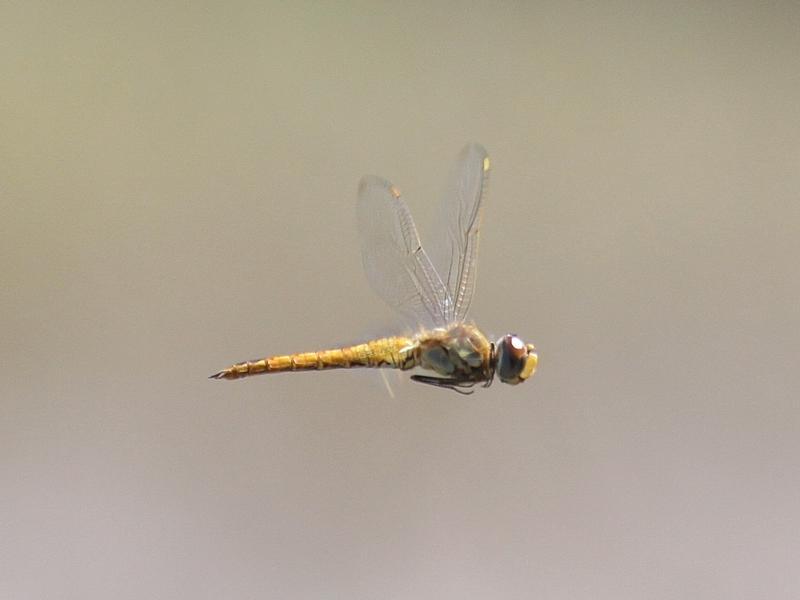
<point x="457" y="385"/>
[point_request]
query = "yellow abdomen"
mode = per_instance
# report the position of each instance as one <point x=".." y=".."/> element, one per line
<point x="391" y="352"/>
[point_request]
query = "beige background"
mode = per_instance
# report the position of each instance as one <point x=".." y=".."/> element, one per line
<point x="177" y="189"/>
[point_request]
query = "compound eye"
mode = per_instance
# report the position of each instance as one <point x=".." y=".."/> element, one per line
<point x="511" y="355"/>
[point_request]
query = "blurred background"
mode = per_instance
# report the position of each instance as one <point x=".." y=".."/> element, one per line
<point x="177" y="191"/>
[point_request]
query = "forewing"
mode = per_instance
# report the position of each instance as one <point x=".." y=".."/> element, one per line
<point x="396" y="265"/>
<point x="455" y="251"/>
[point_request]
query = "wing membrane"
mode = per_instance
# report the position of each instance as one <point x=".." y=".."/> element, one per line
<point x="455" y="251"/>
<point x="397" y="266"/>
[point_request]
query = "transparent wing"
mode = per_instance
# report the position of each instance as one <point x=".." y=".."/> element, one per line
<point x="397" y="266"/>
<point x="455" y="251"/>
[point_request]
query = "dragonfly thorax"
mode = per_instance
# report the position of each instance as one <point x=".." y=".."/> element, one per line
<point x="460" y="353"/>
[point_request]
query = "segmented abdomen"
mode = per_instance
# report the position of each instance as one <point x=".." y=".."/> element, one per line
<point x="392" y="352"/>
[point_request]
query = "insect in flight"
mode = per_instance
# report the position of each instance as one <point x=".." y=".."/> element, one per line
<point x="434" y="291"/>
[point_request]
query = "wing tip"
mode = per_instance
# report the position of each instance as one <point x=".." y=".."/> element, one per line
<point x="477" y="152"/>
<point x="373" y="181"/>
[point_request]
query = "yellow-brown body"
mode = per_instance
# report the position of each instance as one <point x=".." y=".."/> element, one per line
<point x="393" y="352"/>
<point x="461" y="352"/>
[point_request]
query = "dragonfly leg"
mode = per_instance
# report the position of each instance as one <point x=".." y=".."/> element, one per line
<point x="457" y="385"/>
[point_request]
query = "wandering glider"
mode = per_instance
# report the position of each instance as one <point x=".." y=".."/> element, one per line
<point x="433" y="290"/>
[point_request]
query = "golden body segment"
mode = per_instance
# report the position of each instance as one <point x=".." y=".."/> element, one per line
<point x="393" y="352"/>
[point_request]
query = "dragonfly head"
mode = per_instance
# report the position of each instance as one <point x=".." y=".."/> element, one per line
<point x="515" y="361"/>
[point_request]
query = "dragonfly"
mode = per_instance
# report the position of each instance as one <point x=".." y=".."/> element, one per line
<point x="432" y="290"/>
